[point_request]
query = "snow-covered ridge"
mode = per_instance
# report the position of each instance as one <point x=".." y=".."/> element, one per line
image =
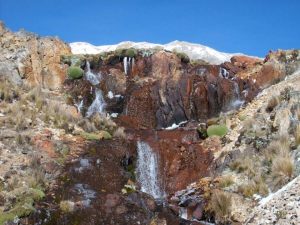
<point x="194" y="51"/>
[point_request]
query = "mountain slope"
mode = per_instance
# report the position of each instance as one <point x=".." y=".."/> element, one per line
<point x="194" y="51"/>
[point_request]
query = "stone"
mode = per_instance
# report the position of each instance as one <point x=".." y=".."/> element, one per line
<point x="35" y="60"/>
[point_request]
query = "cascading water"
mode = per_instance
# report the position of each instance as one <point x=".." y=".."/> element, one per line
<point x="127" y="63"/>
<point x="98" y="105"/>
<point x="236" y="101"/>
<point x="79" y="106"/>
<point x="148" y="171"/>
<point x="90" y="76"/>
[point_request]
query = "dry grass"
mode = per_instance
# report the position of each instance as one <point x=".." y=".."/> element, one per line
<point x="226" y="181"/>
<point x="245" y="165"/>
<point x="8" y="92"/>
<point x="255" y="186"/>
<point x="272" y="103"/>
<point x="221" y="204"/>
<point x="87" y="125"/>
<point x="38" y="179"/>
<point x="279" y="147"/>
<point x="120" y="133"/>
<point x="282" y="170"/>
<point x="103" y="123"/>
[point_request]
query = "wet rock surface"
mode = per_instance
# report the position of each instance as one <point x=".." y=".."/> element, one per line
<point x="93" y="183"/>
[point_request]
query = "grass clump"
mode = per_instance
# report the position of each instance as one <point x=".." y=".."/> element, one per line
<point x="221" y="204"/>
<point x="67" y="206"/>
<point x="245" y="165"/>
<point x="218" y="130"/>
<point x="255" y="186"/>
<point x="226" y="181"/>
<point x="183" y="57"/>
<point x="75" y="72"/>
<point x="272" y="103"/>
<point x="282" y="170"/>
<point x="120" y="133"/>
<point x="131" y="52"/>
<point x="96" y="136"/>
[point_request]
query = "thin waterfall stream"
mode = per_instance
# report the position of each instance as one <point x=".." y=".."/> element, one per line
<point x="148" y="171"/>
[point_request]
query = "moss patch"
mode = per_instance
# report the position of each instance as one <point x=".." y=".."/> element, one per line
<point x="218" y="130"/>
<point x="75" y="72"/>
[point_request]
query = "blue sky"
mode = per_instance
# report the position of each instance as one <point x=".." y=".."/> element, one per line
<point x="249" y="26"/>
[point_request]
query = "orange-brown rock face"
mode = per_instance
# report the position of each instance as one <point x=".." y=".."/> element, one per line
<point x="182" y="159"/>
<point x="159" y="89"/>
<point x="35" y="60"/>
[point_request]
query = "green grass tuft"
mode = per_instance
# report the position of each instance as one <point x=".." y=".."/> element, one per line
<point x="75" y="72"/>
<point x="218" y="130"/>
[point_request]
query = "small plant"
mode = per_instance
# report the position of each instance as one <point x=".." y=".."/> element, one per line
<point x="285" y="95"/>
<point x="280" y="214"/>
<point x="67" y="206"/>
<point x="221" y="204"/>
<point x="218" y="130"/>
<point x="244" y="165"/>
<point x="226" y="181"/>
<point x="120" y="133"/>
<point x="75" y="72"/>
<point x="255" y="186"/>
<point x="183" y="57"/>
<point x="131" y="52"/>
<point x="282" y="170"/>
<point x="272" y="103"/>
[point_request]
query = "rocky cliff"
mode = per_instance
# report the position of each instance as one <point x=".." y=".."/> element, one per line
<point x="161" y="88"/>
<point x="27" y="57"/>
<point x="162" y="98"/>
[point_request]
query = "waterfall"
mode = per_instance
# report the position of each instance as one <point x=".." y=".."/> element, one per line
<point x="223" y="73"/>
<point x="127" y="64"/>
<point x="148" y="171"/>
<point x="90" y="76"/>
<point x="79" y="106"/>
<point x="236" y="101"/>
<point x="98" y="104"/>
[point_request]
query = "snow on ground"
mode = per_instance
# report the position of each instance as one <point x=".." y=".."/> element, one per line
<point x="194" y="51"/>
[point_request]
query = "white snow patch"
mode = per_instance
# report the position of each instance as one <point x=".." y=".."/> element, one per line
<point x="174" y="125"/>
<point x="194" y="51"/>
<point x="114" y="115"/>
<point x="110" y="95"/>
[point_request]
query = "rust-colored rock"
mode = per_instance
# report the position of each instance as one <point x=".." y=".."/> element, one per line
<point x="24" y="55"/>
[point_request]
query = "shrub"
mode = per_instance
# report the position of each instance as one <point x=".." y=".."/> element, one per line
<point x="131" y="52"/>
<point x="221" y="203"/>
<point x="272" y="103"/>
<point x="75" y="72"/>
<point x="282" y="170"/>
<point x="67" y="206"/>
<point x="183" y="57"/>
<point x="218" y="130"/>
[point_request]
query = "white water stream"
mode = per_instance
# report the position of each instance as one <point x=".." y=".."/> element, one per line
<point x="94" y="79"/>
<point x="98" y="105"/>
<point x="148" y="171"/>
